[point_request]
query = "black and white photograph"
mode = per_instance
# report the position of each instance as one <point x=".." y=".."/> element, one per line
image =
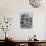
<point x="26" y="20"/>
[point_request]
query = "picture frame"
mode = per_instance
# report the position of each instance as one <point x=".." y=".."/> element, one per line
<point x="26" y="20"/>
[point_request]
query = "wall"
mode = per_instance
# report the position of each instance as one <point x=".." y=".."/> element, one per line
<point x="13" y="8"/>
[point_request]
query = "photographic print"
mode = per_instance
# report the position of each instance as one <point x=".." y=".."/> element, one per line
<point x="26" y="20"/>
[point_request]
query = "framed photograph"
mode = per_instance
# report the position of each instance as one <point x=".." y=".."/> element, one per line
<point x="26" y="20"/>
